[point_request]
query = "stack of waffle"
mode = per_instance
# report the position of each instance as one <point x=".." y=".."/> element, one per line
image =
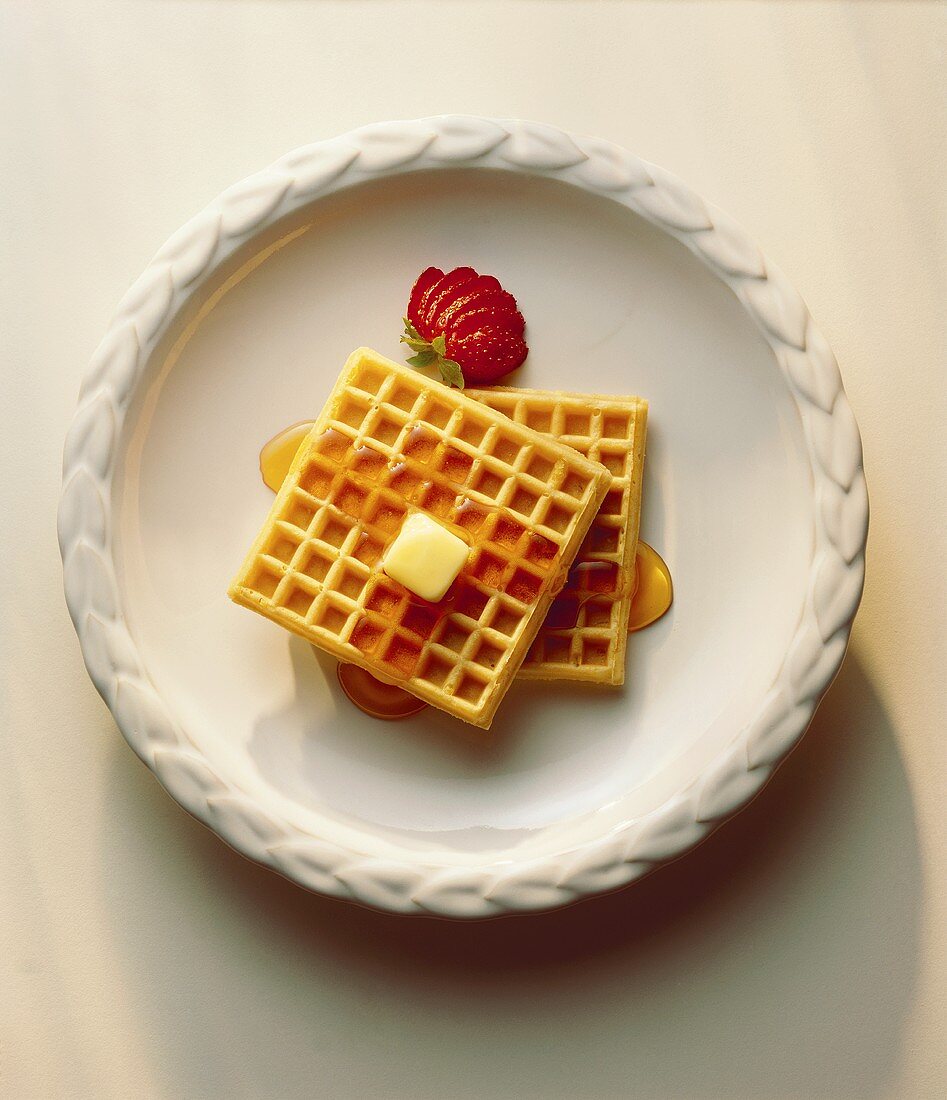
<point x="390" y="441"/>
<point x="536" y="483"/>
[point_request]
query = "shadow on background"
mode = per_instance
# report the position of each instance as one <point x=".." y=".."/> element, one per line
<point x="778" y="957"/>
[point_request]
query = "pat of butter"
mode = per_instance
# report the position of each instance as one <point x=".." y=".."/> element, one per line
<point x="425" y="557"/>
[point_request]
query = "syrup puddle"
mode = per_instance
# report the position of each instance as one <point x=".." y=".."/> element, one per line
<point x="378" y="699"/>
<point x="654" y="591"/>
<point x="277" y="455"/>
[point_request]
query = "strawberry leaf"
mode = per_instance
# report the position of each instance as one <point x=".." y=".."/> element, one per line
<point x="410" y="330"/>
<point x="451" y="372"/>
<point x="416" y="345"/>
<point x="422" y="359"/>
<point x="431" y="353"/>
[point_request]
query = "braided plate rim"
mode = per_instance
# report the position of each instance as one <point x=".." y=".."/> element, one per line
<point x="425" y="885"/>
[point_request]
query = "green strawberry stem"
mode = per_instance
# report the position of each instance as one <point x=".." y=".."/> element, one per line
<point x="432" y="353"/>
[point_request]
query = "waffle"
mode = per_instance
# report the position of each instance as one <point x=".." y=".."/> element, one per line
<point x="390" y="441"/>
<point x="585" y="634"/>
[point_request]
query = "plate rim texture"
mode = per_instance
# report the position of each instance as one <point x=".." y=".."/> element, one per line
<point x="426" y="883"/>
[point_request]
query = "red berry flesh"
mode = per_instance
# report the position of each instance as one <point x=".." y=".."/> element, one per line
<point x="442" y="292"/>
<point x="470" y="297"/>
<point x="498" y="316"/>
<point x="486" y="354"/>
<point x="424" y="283"/>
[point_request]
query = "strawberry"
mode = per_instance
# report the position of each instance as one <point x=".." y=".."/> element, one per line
<point x="465" y="324"/>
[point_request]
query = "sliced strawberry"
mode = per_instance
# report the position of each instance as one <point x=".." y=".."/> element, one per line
<point x="485" y="354"/>
<point x="425" y="281"/>
<point x="496" y="316"/>
<point x="425" y="303"/>
<point x="470" y="297"/>
<point x="482" y="285"/>
<point x="443" y="290"/>
<point x="465" y="325"/>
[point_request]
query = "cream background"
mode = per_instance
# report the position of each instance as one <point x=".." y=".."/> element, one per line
<point x="801" y="951"/>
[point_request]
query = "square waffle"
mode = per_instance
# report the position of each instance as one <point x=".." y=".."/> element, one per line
<point x="585" y="634"/>
<point x="391" y="441"/>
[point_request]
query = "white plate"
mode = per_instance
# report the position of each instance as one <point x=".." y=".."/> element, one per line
<point x="754" y="494"/>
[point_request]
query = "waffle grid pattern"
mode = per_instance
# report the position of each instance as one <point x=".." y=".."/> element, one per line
<point x="585" y="634"/>
<point x="390" y="441"/>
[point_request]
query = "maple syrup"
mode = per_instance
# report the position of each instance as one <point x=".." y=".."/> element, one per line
<point x="595" y="577"/>
<point x="277" y="456"/>
<point x="654" y="590"/>
<point x="420" y="443"/>
<point x="375" y="698"/>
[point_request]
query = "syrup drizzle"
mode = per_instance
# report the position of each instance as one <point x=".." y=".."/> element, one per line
<point x="652" y="594"/>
